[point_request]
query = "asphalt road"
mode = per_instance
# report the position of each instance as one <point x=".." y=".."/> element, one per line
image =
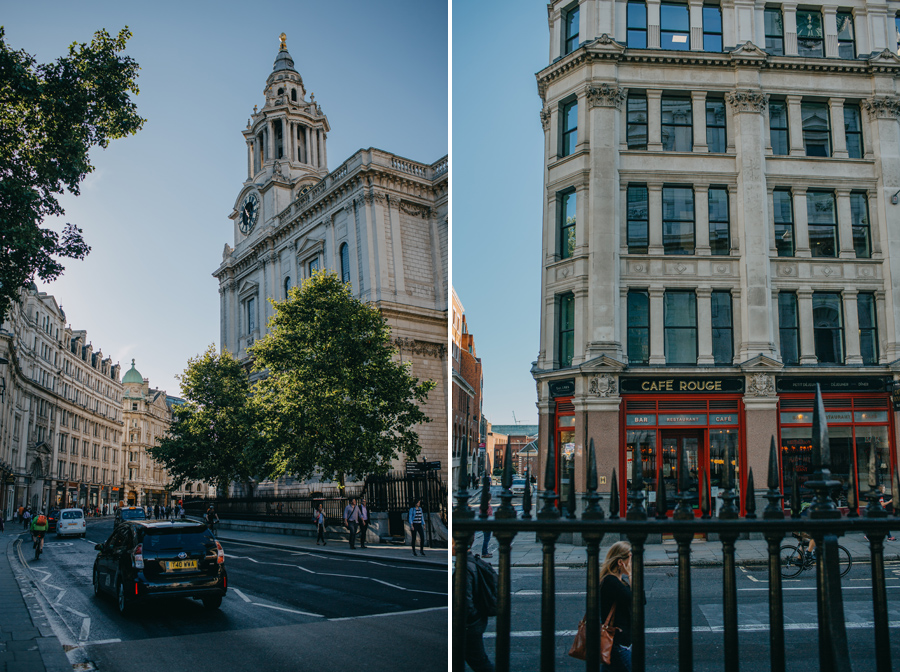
<point x="285" y="609"/>
<point x="662" y="618"/>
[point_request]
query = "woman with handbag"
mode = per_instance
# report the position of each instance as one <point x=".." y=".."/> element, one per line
<point x="615" y="606"/>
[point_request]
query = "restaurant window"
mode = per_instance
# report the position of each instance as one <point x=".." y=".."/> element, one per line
<point x="680" y="334"/>
<point x="828" y="327"/>
<point x="566" y="329"/>
<point x="638" y="327"/>
<point x="846" y="40"/>
<point x="853" y="131"/>
<point x="788" y="328"/>
<point x="774" y="28"/>
<point x="675" y="27"/>
<point x="868" y="328"/>
<point x="719" y="235"/>
<point x="715" y="125"/>
<point x="784" y="222"/>
<point x="638" y="220"/>
<point x="636" y="127"/>
<point x="722" y="330"/>
<point x="677" y="118"/>
<point x="712" y="28"/>
<point x="810" y="42"/>
<point x="859" y="216"/>
<point x="569" y="115"/>
<point x="566" y="205"/>
<point x="778" y="128"/>
<point x="822" y="217"/>
<point x="678" y="220"/>
<point x="637" y="25"/>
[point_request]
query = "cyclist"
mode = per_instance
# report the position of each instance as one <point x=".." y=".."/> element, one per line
<point x="212" y="519"/>
<point x="38" y="529"/>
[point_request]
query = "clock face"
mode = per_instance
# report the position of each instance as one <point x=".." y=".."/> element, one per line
<point x="249" y="213"/>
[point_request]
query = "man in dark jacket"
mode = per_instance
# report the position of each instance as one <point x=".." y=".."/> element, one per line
<point x="476" y="622"/>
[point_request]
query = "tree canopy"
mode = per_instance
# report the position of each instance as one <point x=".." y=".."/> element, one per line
<point x="212" y="435"/>
<point x="332" y="400"/>
<point x="51" y="115"/>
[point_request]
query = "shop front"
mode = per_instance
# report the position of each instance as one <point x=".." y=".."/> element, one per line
<point x="860" y="430"/>
<point x="663" y="418"/>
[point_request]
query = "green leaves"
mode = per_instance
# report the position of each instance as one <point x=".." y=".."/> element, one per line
<point x="50" y="117"/>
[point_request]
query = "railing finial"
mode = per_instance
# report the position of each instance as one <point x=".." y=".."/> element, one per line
<point x="750" y="496"/>
<point x="852" y="501"/>
<point x="485" y="499"/>
<point x="526" y="496"/>
<point x="821" y="482"/>
<point x="614" y="497"/>
<point x="636" y="510"/>
<point x="662" y="507"/>
<point x="506" y="510"/>
<point x="683" y="511"/>
<point x="549" y="509"/>
<point x="704" y="496"/>
<point x="773" y="494"/>
<point x="728" y="511"/>
<point x="592" y="508"/>
<point x="462" y="508"/>
<point x="570" y="495"/>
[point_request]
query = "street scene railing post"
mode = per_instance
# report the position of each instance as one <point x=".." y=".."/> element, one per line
<point x="461" y="540"/>
<point x="504" y="577"/>
<point x="774" y="512"/>
<point x="592" y="512"/>
<point x="684" y="512"/>
<point x="729" y="599"/>
<point x="549" y="512"/>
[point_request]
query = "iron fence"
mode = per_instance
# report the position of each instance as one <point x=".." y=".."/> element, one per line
<point x="293" y="509"/>
<point x="825" y="523"/>
<point x="397" y="493"/>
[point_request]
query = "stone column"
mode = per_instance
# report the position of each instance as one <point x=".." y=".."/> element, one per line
<point x="654" y="218"/>
<point x="306" y="145"/>
<point x="314" y="134"/>
<point x="749" y="108"/>
<point x="860" y="25"/>
<point x="789" y="21"/>
<point x="845" y="224"/>
<point x="829" y="26"/>
<point x="324" y="150"/>
<point x="603" y="229"/>
<point x="223" y="315"/>
<point x="234" y="336"/>
<point x="776" y="324"/>
<point x="838" y="134"/>
<point x="582" y="321"/>
<point x="393" y="212"/>
<point x="249" y="159"/>
<point x="698" y="110"/>
<point x="874" y="223"/>
<point x="770" y="203"/>
<point x="801" y="222"/>
<point x="807" y="333"/>
<point x="704" y="327"/>
<point x="696" y="24"/>
<point x="851" y="327"/>
<point x="795" y="126"/>
<point x="657" y="327"/>
<point x="262" y="305"/>
<point x="652" y="24"/>
<point x="881" y="316"/>
<point x="270" y="132"/>
<point x="654" y="120"/>
<point x="701" y="218"/>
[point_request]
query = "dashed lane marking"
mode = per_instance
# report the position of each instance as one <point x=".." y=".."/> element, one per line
<point x="292" y="611"/>
<point x="395" y="613"/>
<point x="241" y="595"/>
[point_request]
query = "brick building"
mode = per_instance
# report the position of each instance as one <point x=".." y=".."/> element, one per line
<point x="467" y="389"/>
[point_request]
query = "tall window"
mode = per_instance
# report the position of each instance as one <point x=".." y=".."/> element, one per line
<point x="677" y="134"/>
<point x="784" y="222"/>
<point x="715" y="125"/>
<point x="638" y="220"/>
<point x="846" y="41"/>
<point x="712" y="28"/>
<point x="678" y="220"/>
<point x="345" y="263"/>
<point x="287" y="285"/>
<point x="816" y="131"/>
<point x="569" y="113"/>
<point x="636" y="131"/>
<point x="774" y="26"/>
<point x="868" y="328"/>
<point x="719" y="238"/>
<point x="674" y="27"/>
<point x="853" y="131"/>
<point x="820" y="212"/>
<point x="251" y="315"/>
<point x="788" y="328"/>
<point x="680" y="315"/>
<point x="897" y="31"/>
<point x="810" y="42"/>
<point x="570" y="30"/>
<point x="859" y="216"/>
<point x="566" y="329"/>
<point x="313" y="266"/>
<point x="637" y="25"/>
<point x="722" y="331"/>
<point x="778" y="127"/>
<point x="638" y="327"/>
<point x="566" y="201"/>
<point x="828" y="327"/>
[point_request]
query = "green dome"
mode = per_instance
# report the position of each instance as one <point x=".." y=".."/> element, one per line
<point x="133" y="376"/>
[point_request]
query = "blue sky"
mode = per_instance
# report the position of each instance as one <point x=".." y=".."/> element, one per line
<point x="497" y="192"/>
<point x="155" y="210"/>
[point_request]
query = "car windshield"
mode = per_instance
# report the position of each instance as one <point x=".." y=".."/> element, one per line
<point x="69" y="515"/>
<point x="176" y="538"/>
<point x="133" y="514"/>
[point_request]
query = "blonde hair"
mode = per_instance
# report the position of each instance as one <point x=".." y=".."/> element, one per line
<point x="618" y="551"/>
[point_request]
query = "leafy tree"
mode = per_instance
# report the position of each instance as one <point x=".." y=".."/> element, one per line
<point x="50" y="117"/>
<point x="212" y="435"/>
<point x="333" y="400"/>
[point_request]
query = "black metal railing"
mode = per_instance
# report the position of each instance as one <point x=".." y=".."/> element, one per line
<point x="396" y="493"/>
<point x="272" y="508"/>
<point x="825" y="523"/>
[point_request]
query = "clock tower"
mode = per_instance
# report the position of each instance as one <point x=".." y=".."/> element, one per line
<point x="285" y="149"/>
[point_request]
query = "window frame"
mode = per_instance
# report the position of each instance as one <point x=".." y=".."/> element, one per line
<point x="770" y="49"/>
<point x="815" y="247"/>
<point x="674" y="126"/>
<point x="636" y="330"/>
<point x="865" y="226"/>
<point x="720" y="129"/>
<point x="851" y="41"/>
<point x="664" y="32"/>
<point x="805" y="42"/>
<point x="788" y="225"/>
<point x="250" y="312"/>
<point x="568" y="46"/>
<point x="712" y="34"/>
<point x="718" y="250"/>
<point x="565" y="329"/>
<point x="782" y="104"/>
<point x="679" y="331"/>
<point x="669" y="248"/>
<point x="852" y="108"/>
<point x="344" y="252"/>
<point x="793" y="331"/>
<point x="808" y="132"/>
<point x="645" y="220"/>
<point x="640" y="28"/>
<point x="629" y="124"/>
<point x="868" y="334"/>
<point x="718" y="323"/>
<point x="563" y="227"/>
<point x="568" y="136"/>
<point x="820" y="333"/>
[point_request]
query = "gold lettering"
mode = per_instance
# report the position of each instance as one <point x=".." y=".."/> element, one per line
<point x="718" y="385"/>
<point x="669" y="385"/>
<point x="682" y="385"/>
<point x="644" y="386"/>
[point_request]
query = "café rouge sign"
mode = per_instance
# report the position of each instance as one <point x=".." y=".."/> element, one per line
<point x="686" y="385"/>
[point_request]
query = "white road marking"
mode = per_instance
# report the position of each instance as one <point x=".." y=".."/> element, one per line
<point x="59" y="597"/>
<point x="85" y="629"/>
<point x="241" y="595"/>
<point x="395" y="613"/>
<point x="814" y="588"/>
<point x="77" y="613"/>
<point x="102" y="641"/>
<point x="292" y="611"/>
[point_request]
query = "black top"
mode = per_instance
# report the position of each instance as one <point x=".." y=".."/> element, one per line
<point x="615" y="591"/>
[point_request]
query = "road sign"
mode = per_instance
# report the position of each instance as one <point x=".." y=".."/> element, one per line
<point x="434" y="466"/>
<point x="416" y="468"/>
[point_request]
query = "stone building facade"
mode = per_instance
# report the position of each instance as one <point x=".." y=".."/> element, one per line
<point x="60" y="411"/>
<point x="379" y="220"/>
<point x="720" y="234"/>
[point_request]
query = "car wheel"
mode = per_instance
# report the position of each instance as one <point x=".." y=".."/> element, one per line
<point x="96" y="583"/>
<point x="212" y="602"/>
<point x="122" y="602"/>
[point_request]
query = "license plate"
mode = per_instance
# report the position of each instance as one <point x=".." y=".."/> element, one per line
<point x="176" y="565"/>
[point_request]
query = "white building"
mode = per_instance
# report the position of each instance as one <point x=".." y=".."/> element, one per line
<point x="380" y="220"/>
<point x="721" y="232"/>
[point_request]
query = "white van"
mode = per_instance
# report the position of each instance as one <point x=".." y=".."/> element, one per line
<point x="71" y="521"/>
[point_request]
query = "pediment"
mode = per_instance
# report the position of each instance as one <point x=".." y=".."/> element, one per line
<point x="603" y="364"/>
<point x="310" y="246"/>
<point x="748" y="49"/>
<point x="761" y="363"/>
<point x="606" y="44"/>
<point x="885" y="57"/>
<point x="248" y="287"/>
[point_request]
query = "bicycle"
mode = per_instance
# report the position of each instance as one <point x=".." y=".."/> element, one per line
<point x="794" y="559"/>
<point x="38" y="545"/>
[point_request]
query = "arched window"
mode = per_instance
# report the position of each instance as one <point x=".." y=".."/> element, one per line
<point x="294" y="95"/>
<point x="345" y="263"/>
<point x="280" y="91"/>
<point x="287" y="286"/>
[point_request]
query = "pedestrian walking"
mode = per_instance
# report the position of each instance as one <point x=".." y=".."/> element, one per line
<point x="476" y="615"/>
<point x="363" y="522"/>
<point x="885" y="505"/>
<point x="615" y="594"/>
<point x="351" y="520"/>
<point x="319" y="520"/>
<point x="417" y="526"/>
<point x="211" y="519"/>
<point x="26" y="519"/>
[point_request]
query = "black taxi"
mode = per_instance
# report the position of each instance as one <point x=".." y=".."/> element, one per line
<point x="143" y="560"/>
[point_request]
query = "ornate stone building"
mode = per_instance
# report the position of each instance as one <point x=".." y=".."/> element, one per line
<point x="379" y="220"/>
<point x="60" y="411"/>
<point x="720" y="234"/>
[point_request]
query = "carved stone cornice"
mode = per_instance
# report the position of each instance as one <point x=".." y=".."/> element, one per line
<point x="266" y="258"/>
<point x="415" y="209"/>
<point x="882" y="107"/>
<point x="605" y="95"/>
<point x="416" y="347"/>
<point x="747" y="101"/>
<point x="545" y="119"/>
